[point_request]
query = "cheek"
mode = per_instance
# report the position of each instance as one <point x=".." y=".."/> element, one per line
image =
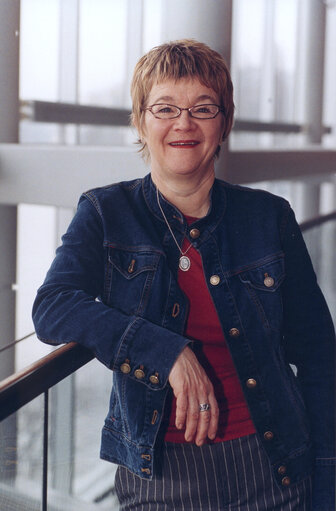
<point x="155" y="135"/>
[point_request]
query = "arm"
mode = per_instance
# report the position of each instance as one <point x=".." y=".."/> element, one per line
<point x="309" y="342"/>
<point x="66" y="307"/>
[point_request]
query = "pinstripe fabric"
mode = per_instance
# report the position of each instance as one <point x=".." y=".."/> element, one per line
<point x="228" y="476"/>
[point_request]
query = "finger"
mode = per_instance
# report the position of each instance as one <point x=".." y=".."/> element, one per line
<point x="181" y="410"/>
<point x="203" y="426"/>
<point x="192" y="418"/>
<point x="214" y="416"/>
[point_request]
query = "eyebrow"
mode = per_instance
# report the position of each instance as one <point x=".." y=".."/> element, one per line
<point x="202" y="97"/>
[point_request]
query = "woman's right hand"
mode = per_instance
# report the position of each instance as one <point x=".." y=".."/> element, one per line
<point x="191" y="387"/>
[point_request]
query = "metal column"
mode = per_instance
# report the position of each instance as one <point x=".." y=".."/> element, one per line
<point x="316" y="25"/>
<point x="9" y="100"/>
<point x="9" y="84"/>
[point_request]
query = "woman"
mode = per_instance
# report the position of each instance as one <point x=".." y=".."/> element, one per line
<point x="198" y="295"/>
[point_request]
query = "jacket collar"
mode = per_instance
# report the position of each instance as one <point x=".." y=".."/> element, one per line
<point x="174" y="215"/>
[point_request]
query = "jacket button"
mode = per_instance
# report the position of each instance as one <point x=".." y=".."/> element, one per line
<point x="268" y="435"/>
<point x="268" y="281"/>
<point x="125" y="368"/>
<point x="154" y="379"/>
<point x="234" y="332"/>
<point x="282" y="470"/>
<point x="139" y="374"/>
<point x="286" y="481"/>
<point x="214" y="280"/>
<point x="146" y="470"/>
<point x="251" y="383"/>
<point x="146" y="457"/>
<point x="194" y="234"/>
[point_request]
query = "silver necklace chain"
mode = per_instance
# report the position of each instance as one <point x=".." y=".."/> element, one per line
<point x="184" y="262"/>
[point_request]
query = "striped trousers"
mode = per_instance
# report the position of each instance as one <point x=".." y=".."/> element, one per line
<point x="230" y="476"/>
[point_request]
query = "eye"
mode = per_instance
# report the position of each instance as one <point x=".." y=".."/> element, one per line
<point x="163" y="109"/>
<point x="204" y="109"/>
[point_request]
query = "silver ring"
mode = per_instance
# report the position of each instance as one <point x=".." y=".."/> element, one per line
<point x="204" y="407"/>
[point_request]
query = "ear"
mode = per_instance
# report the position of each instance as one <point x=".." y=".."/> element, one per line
<point x="140" y="127"/>
<point x="223" y="129"/>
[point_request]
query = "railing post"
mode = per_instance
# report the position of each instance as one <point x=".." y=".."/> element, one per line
<point x="45" y="452"/>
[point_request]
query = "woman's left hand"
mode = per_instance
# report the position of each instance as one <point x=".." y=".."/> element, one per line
<point x="192" y="387"/>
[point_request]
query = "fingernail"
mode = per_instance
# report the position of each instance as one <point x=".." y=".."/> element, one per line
<point x="179" y="426"/>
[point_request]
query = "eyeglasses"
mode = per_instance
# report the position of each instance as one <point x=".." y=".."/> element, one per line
<point x="164" y="111"/>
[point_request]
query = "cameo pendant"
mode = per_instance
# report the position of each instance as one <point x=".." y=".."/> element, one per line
<point x="184" y="263"/>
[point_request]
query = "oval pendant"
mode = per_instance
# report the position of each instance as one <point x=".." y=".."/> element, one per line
<point x="184" y="263"/>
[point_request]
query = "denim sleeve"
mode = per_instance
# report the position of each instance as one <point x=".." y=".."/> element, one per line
<point x="309" y="343"/>
<point x="66" y="308"/>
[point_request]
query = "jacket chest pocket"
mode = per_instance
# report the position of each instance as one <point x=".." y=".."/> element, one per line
<point x="263" y="283"/>
<point x="129" y="279"/>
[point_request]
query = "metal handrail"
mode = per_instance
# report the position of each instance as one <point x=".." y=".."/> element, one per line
<point x="319" y="220"/>
<point x="23" y="386"/>
<point x="72" y="113"/>
<point x="14" y="343"/>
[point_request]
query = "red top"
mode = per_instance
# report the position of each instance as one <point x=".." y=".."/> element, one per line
<point x="212" y="352"/>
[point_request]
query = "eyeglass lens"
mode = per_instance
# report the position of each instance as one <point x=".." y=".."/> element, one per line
<point x="164" y="111"/>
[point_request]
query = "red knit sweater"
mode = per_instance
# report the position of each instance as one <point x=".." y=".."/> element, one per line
<point x="211" y="349"/>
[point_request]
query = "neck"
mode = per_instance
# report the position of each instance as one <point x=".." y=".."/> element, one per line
<point x="191" y="197"/>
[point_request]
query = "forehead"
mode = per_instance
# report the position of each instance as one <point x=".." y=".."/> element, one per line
<point x="185" y="90"/>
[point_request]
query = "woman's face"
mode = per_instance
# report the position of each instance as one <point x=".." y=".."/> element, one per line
<point x="184" y="145"/>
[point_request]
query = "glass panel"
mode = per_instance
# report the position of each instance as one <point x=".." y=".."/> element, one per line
<point x="78" y="406"/>
<point x="39" y="64"/>
<point x="102" y="52"/>
<point x="37" y="239"/>
<point x="103" y="65"/>
<point x="105" y="135"/>
<point x="21" y="458"/>
<point x="267" y="68"/>
<point x="77" y="478"/>
<point x="321" y="243"/>
<point x="330" y="76"/>
<point x="39" y="49"/>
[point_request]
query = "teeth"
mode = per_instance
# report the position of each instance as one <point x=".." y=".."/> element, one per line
<point x="183" y="143"/>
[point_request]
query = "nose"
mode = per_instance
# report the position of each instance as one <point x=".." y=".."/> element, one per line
<point x="184" y="121"/>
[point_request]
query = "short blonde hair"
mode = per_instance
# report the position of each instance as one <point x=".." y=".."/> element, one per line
<point x="185" y="58"/>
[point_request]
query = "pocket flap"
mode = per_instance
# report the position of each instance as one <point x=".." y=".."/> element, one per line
<point x="266" y="277"/>
<point x="130" y="264"/>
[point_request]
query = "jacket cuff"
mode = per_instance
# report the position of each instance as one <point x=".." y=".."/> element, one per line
<point x="147" y="352"/>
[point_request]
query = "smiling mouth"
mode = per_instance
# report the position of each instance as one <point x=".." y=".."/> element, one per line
<point x="184" y="143"/>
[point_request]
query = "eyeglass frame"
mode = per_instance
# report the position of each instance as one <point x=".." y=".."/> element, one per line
<point x="149" y="108"/>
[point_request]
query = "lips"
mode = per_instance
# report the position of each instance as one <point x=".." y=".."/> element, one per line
<point x="184" y="143"/>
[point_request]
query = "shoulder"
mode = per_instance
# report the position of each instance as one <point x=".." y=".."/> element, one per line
<point x="254" y="210"/>
<point x="113" y="196"/>
<point x="113" y="190"/>
<point x="251" y="199"/>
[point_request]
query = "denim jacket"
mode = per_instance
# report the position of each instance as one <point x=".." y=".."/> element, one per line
<point x="113" y="288"/>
